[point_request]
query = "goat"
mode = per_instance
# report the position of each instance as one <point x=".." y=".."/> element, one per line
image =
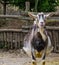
<point x="37" y="43"/>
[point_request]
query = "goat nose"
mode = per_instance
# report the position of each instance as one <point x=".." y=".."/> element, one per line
<point x="42" y="22"/>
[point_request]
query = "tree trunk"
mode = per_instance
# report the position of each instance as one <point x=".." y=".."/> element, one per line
<point x="36" y="4"/>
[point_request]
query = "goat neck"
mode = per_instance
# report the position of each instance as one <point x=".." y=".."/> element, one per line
<point x="43" y="33"/>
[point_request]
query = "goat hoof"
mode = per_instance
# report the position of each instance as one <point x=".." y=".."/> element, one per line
<point x="43" y="63"/>
<point x="34" y="63"/>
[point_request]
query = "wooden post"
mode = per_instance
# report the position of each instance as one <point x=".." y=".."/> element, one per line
<point x="27" y="5"/>
<point x="4" y="7"/>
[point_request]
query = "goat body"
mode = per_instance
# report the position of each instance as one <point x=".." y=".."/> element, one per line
<point x="38" y="40"/>
<point x="38" y="43"/>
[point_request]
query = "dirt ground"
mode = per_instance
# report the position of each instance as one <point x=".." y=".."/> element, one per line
<point x="17" y="57"/>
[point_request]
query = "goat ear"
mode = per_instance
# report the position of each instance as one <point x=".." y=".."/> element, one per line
<point x="49" y="14"/>
<point x="31" y="15"/>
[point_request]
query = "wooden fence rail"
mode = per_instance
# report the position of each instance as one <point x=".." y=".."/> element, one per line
<point x="20" y="17"/>
<point x="16" y="17"/>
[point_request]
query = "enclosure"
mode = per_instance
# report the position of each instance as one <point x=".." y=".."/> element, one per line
<point x="15" y="24"/>
<point x="12" y="32"/>
<point x="13" y="28"/>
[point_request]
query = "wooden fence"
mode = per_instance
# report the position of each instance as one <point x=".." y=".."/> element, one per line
<point x="54" y="34"/>
<point x="11" y="38"/>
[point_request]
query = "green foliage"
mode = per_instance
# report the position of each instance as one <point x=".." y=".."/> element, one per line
<point x="19" y="3"/>
<point x="46" y="5"/>
<point x="4" y="1"/>
<point x="37" y="5"/>
<point x="57" y="2"/>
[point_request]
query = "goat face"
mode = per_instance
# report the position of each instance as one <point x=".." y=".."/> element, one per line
<point x="40" y="20"/>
